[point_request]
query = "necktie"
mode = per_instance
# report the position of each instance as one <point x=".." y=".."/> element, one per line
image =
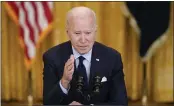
<point x="82" y="70"/>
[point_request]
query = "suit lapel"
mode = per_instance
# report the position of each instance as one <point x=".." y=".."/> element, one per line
<point x="95" y="64"/>
<point x="67" y="51"/>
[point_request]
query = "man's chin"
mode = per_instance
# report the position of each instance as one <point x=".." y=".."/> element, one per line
<point x="83" y="51"/>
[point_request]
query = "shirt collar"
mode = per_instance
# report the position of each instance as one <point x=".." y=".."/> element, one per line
<point x="87" y="56"/>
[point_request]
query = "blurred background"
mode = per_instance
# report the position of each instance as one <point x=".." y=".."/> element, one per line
<point x="116" y="28"/>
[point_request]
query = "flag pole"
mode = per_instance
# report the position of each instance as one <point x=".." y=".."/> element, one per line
<point x="30" y="96"/>
<point x="144" y="85"/>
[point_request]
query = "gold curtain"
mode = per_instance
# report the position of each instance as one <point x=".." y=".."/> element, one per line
<point x="161" y="73"/>
<point x="114" y="30"/>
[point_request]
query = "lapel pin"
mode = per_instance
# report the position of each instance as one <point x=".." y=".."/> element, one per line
<point x="97" y="59"/>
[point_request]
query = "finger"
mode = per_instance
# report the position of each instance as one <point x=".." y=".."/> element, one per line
<point x="69" y="62"/>
<point x="72" y="103"/>
<point x="72" y="69"/>
<point x="77" y="103"/>
<point x="72" y="57"/>
<point x="70" y="73"/>
<point x="69" y="68"/>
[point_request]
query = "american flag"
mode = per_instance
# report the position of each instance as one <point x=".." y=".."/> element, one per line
<point x="35" y="22"/>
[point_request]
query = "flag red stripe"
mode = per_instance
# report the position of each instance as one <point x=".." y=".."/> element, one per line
<point x="47" y="11"/>
<point x="32" y="24"/>
<point x="36" y="16"/>
<point x="14" y="7"/>
<point x="25" y="46"/>
<point x="31" y="32"/>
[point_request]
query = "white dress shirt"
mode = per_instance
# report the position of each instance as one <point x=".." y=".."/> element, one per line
<point x="86" y="62"/>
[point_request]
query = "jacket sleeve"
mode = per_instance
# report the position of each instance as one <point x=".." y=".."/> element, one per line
<point x="118" y="94"/>
<point x="52" y="93"/>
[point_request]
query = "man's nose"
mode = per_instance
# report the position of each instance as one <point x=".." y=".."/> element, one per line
<point x="83" y="38"/>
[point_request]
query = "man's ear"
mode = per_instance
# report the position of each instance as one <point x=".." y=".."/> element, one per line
<point x="96" y="28"/>
<point x="67" y="33"/>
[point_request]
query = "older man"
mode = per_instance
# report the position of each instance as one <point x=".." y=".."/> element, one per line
<point x="82" y="54"/>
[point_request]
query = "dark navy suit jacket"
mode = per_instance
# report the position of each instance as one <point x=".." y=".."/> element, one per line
<point x="112" y="92"/>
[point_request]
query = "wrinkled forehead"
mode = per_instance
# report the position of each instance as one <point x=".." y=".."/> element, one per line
<point x="82" y="25"/>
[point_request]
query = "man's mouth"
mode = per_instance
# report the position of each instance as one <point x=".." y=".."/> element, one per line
<point x="82" y="47"/>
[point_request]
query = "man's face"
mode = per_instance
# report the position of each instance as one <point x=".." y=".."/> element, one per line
<point x="82" y="34"/>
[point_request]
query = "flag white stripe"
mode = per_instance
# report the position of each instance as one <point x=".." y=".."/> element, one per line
<point x="50" y="5"/>
<point x="28" y="42"/>
<point x="32" y="22"/>
<point x="36" y="27"/>
<point x="43" y="22"/>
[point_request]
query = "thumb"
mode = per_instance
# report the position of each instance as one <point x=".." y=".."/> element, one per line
<point x="72" y="57"/>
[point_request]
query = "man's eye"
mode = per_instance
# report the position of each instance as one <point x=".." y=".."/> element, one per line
<point x="88" y="32"/>
<point x="77" y="33"/>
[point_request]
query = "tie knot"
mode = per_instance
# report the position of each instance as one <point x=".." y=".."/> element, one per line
<point x="81" y="58"/>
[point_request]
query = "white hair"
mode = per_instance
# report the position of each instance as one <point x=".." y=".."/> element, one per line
<point x="82" y="10"/>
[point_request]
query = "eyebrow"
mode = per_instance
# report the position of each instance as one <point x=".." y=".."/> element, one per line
<point x="76" y="31"/>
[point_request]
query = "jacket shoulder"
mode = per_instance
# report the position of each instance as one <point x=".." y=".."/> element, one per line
<point x="55" y="50"/>
<point x="107" y="50"/>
